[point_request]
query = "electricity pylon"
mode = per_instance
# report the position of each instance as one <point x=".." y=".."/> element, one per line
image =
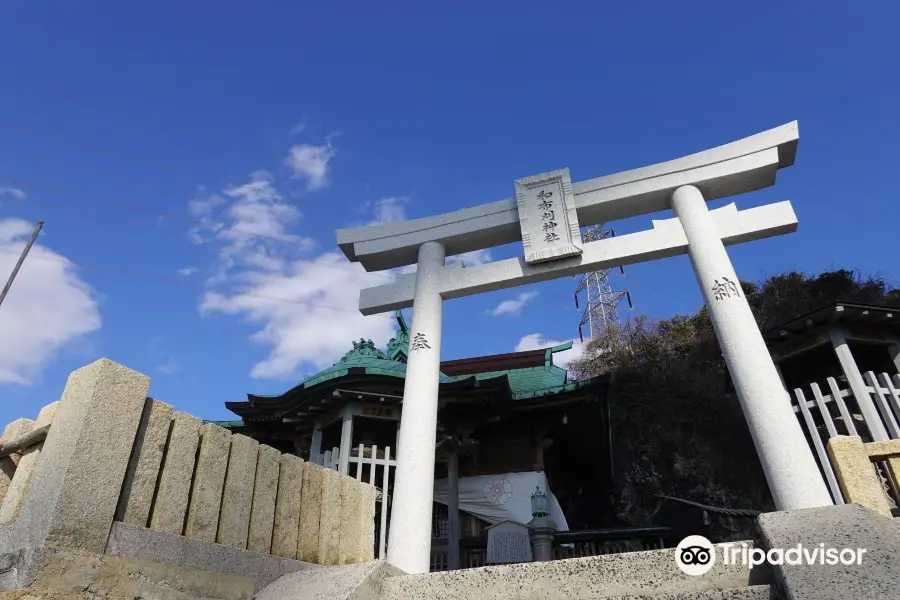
<point x="602" y="305"/>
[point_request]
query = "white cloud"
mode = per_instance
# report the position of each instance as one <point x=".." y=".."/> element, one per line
<point x="298" y="128"/>
<point x="536" y="341"/>
<point x="251" y="221"/>
<point x="170" y="367"/>
<point x="475" y="257"/>
<point x="13" y="192"/>
<point x="308" y="311"/>
<point x="187" y="271"/>
<point x="48" y="307"/>
<point x="202" y="209"/>
<point x="311" y="163"/>
<point x="306" y="307"/>
<point x="389" y="210"/>
<point x="514" y="307"/>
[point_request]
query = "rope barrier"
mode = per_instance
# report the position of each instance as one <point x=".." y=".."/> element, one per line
<point x="731" y="512"/>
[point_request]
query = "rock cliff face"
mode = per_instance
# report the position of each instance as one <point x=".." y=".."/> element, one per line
<point x="707" y="460"/>
<point x="676" y="429"/>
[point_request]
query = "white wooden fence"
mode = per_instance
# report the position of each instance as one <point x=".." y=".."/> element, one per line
<point x="874" y="417"/>
<point x="332" y="459"/>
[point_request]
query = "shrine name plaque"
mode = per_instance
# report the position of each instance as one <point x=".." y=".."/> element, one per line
<point x="548" y="217"/>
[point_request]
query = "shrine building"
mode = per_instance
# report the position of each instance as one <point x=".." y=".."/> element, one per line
<point x="508" y="425"/>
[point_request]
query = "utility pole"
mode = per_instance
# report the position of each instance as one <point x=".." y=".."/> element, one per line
<point x="12" y="276"/>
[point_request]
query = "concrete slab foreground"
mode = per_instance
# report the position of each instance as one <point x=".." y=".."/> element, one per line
<point x="118" y="577"/>
<point x="756" y="592"/>
<point x="48" y="573"/>
<point x="609" y="576"/>
<point x="138" y="542"/>
<point x="847" y="526"/>
<point x="361" y="581"/>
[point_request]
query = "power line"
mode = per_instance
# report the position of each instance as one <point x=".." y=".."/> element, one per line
<point x="153" y="229"/>
<point x="115" y="153"/>
<point x="183" y="283"/>
<point x="156" y="230"/>
<point x="15" y="271"/>
<point x="137" y="208"/>
<point x="49" y="135"/>
<point x="106" y="104"/>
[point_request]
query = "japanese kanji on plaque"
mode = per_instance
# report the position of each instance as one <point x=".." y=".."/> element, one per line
<point x="548" y="217"/>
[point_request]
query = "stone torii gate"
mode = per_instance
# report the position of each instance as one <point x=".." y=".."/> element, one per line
<point x="547" y="215"/>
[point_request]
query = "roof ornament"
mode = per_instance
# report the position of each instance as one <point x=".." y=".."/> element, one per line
<point x="401" y="321"/>
<point x="398" y="347"/>
<point x="363" y="349"/>
<point x="548" y="356"/>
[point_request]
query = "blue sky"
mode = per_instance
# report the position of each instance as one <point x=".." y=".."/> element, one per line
<point x="133" y="130"/>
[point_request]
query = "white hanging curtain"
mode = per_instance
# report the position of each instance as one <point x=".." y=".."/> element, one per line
<point x="496" y="498"/>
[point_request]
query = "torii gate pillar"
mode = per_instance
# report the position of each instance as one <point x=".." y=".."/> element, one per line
<point x="784" y="453"/>
<point x="409" y="547"/>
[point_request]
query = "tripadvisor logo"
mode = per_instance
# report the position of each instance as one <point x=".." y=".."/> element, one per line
<point x="797" y="555"/>
<point x="696" y="555"/>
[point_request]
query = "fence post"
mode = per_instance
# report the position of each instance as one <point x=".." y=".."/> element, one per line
<point x="894" y="350"/>
<point x="856" y="474"/>
<point x="8" y="464"/>
<point x="857" y="385"/>
<point x="18" y="487"/>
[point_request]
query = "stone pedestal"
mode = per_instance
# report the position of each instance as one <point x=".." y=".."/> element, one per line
<point x="543" y="530"/>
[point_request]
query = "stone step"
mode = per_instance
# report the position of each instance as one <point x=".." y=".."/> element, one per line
<point x="41" y="594"/>
<point x="596" y="577"/>
<point x="755" y="592"/>
<point x="69" y="575"/>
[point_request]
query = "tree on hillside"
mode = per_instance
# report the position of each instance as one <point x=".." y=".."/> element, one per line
<point x="676" y="429"/>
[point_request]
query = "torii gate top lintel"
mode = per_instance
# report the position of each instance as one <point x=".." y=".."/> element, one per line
<point x="738" y="167"/>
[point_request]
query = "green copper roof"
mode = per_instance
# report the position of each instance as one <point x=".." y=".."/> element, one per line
<point x="225" y="424"/>
<point x="533" y="381"/>
<point x="366" y="355"/>
<point x="524" y="383"/>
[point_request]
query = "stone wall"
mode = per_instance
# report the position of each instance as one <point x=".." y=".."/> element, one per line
<point x="114" y="455"/>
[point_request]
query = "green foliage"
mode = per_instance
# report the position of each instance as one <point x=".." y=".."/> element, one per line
<point x="790" y="295"/>
<point x="676" y="430"/>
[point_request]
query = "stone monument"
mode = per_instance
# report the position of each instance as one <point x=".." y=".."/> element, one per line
<point x="547" y="215"/>
<point x="508" y="542"/>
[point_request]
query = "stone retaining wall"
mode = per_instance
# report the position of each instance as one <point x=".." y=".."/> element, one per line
<point x="113" y="454"/>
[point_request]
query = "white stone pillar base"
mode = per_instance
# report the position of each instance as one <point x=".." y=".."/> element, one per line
<point x="409" y="539"/>
<point x="787" y="460"/>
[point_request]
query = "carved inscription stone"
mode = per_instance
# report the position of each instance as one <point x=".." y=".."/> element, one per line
<point x="419" y="343"/>
<point x="508" y="542"/>
<point x="725" y="289"/>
